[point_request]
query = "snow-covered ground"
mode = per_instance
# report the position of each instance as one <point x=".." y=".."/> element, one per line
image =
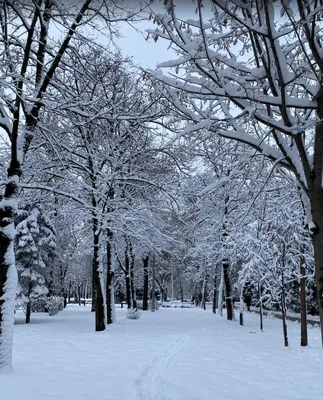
<point x="172" y="354"/>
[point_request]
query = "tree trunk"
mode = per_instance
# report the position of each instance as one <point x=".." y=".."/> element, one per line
<point x="228" y="289"/>
<point x="260" y="310"/>
<point x="153" y="289"/>
<point x="110" y="282"/>
<point x="93" y="290"/>
<point x="283" y="295"/>
<point x="302" y="291"/>
<point x="28" y="308"/>
<point x="242" y="306"/>
<point x="132" y="279"/>
<point x="79" y="293"/>
<point x="127" y="276"/>
<point x="283" y="308"/>
<point x="8" y="272"/>
<point x="28" y="312"/>
<point x="214" y="302"/>
<point x="181" y="289"/>
<point x="146" y="282"/>
<point x="316" y="200"/>
<point x="318" y="256"/>
<point x="69" y="291"/>
<point x="204" y="292"/>
<point x="97" y="288"/>
<point x="220" y="292"/>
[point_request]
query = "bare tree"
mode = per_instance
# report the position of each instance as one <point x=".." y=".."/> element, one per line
<point x="30" y="60"/>
<point x="252" y="74"/>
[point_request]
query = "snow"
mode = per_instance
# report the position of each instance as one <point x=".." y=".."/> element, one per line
<point x="171" y="354"/>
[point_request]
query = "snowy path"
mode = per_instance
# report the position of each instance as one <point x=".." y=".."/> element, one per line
<point x="173" y="354"/>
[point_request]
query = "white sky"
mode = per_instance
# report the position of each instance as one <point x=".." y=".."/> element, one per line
<point x="146" y="53"/>
<point x="149" y="53"/>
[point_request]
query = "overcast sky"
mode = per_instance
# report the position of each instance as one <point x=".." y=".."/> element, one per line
<point x="148" y="53"/>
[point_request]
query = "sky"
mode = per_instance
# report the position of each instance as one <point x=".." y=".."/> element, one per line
<point x="145" y="53"/>
<point x="148" y="53"/>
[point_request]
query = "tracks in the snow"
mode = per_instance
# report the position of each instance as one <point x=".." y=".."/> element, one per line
<point x="150" y="385"/>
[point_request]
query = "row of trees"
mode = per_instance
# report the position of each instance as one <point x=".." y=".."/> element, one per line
<point x="199" y="177"/>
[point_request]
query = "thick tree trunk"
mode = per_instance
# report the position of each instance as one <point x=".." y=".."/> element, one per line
<point x="146" y="282"/>
<point x="28" y="312"/>
<point x="97" y="288"/>
<point x="228" y="289"/>
<point x="316" y="201"/>
<point x="110" y="282"/>
<point x="302" y="291"/>
<point x="8" y="272"/>
<point x="93" y="291"/>
<point x="318" y="256"/>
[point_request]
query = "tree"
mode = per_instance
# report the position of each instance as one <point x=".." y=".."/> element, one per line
<point x="35" y="243"/>
<point x="273" y="248"/>
<point x="31" y="59"/>
<point x="258" y="75"/>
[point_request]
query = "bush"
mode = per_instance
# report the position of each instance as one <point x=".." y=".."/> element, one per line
<point x="133" y="313"/>
<point x="39" y="305"/>
<point x="54" y="304"/>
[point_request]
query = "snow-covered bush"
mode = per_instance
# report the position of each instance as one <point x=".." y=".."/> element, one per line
<point x="39" y="305"/>
<point x="176" y="304"/>
<point x="133" y="313"/>
<point x="54" y="304"/>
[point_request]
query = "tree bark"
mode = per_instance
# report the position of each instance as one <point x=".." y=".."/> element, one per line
<point x="79" y="294"/>
<point x="127" y="276"/>
<point x="8" y="272"/>
<point x="28" y="312"/>
<point x="316" y="200"/>
<point x="214" y="303"/>
<point x="28" y="308"/>
<point x="110" y="281"/>
<point x="220" y="292"/>
<point x="146" y="282"/>
<point x="242" y="306"/>
<point x="204" y="292"/>
<point x="132" y="278"/>
<point x="70" y="291"/>
<point x="97" y="289"/>
<point x="261" y="317"/>
<point x="228" y="289"/>
<point x="283" y="308"/>
<point x="302" y="291"/>
<point x="153" y="289"/>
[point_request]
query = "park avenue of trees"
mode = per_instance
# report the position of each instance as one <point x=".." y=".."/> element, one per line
<point x="199" y="180"/>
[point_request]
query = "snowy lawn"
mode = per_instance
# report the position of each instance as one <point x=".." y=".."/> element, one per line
<point x="174" y="354"/>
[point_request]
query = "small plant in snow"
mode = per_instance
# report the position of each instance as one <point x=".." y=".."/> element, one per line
<point x="133" y="313"/>
<point x="54" y="304"/>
